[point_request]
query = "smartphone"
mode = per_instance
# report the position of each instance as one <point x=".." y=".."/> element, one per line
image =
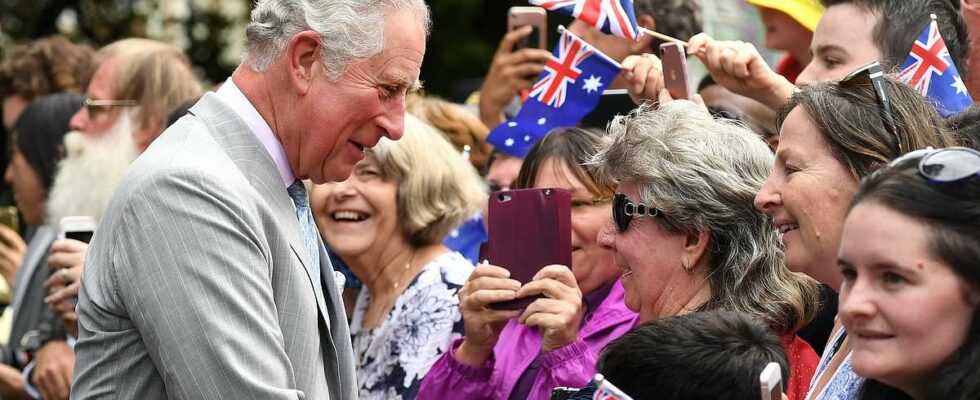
<point x="533" y="16"/>
<point x="528" y="229"/>
<point x="676" y="77"/>
<point x="771" y="382"/>
<point x="78" y="228"/>
<point x="8" y="217"/>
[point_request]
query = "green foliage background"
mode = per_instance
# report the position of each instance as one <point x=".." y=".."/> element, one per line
<point x="464" y="37"/>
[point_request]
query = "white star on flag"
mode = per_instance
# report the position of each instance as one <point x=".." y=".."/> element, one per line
<point x="592" y="84"/>
<point x="542" y="121"/>
<point x="509" y="142"/>
<point x="958" y="85"/>
<point x="511" y="124"/>
<point x="527" y="138"/>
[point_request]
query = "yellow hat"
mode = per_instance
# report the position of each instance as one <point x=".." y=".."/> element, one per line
<point x="806" y="12"/>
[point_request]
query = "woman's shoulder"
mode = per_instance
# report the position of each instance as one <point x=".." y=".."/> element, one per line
<point x="449" y="268"/>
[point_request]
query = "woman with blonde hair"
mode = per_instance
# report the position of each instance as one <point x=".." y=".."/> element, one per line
<point x="386" y="222"/>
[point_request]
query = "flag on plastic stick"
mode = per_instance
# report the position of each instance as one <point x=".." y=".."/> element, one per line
<point x="615" y="17"/>
<point x="605" y="390"/>
<point x="930" y="70"/>
<point x="569" y="88"/>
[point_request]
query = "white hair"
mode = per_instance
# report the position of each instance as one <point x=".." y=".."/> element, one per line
<point x="350" y="30"/>
<point x="91" y="170"/>
<point x="703" y="174"/>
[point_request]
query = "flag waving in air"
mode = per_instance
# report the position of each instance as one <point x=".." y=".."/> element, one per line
<point x="930" y="70"/>
<point x="614" y="17"/>
<point x="569" y="88"/>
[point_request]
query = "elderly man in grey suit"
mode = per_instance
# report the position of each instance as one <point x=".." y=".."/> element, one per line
<point x="206" y="278"/>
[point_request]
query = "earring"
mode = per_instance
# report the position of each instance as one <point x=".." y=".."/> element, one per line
<point x="690" y="271"/>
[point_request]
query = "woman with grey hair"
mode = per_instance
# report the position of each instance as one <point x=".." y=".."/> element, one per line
<point x="387" y="222"/>
<point x="684" y="229"/>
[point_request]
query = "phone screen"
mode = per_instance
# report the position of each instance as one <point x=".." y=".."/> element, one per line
<point x="776" y="393"/>
<point x="81" y="236"/>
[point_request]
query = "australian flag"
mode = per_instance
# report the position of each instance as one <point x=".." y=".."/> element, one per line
<point x="614" y="17"/>
<point x="569" y="88"/>
<point x="930" y="70"/>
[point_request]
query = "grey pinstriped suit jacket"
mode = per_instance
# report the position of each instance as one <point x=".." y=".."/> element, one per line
<point x="195" y="285"/>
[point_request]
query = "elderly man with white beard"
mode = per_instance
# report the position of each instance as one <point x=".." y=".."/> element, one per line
<point x="135" y="84"/>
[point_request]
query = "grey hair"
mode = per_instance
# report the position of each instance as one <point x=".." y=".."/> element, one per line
<point x="703" y="174"/>
<point x="350" y="30"/>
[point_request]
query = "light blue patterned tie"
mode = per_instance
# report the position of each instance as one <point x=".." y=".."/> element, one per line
<point x="311" y="237"/>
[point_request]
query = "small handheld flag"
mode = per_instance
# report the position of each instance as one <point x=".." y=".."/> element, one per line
<point x="615" y="17"/>
<point x="605" y="390"/>
<point x="930" y="70"/>
<point x="569" y="88"/>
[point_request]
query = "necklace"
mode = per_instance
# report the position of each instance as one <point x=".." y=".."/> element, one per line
<point x="408" y="266"/>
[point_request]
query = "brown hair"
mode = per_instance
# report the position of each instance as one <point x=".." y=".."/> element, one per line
<point x="46" y="66"/>
<point x="851" y="120"/>
<point x="573" y="147"/>
<point x="155" y="74"/>
<point x="459" y="126"/>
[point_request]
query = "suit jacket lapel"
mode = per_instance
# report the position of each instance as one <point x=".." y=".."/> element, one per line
<point x="255" y="163"/>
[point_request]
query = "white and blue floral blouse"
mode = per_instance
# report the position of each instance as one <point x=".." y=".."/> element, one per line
<point x="395" y="356"/>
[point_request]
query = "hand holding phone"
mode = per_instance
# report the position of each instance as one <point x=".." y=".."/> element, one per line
<point x="771" y="382"/>
<point x="9" y="218"/>
<point x="676" y="75"/>
<point x="528" y="230"/>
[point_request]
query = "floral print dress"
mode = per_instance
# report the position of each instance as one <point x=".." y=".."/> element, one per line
<point x="394" y="357"/>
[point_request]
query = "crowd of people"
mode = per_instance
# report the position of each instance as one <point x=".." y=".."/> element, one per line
<point x="311" y="228"/>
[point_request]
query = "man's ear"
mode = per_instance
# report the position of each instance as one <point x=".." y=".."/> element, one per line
<point x="147" y="133"/>
<point x="645" y="42"/>
<point x="302" y="54"/>
<point x="695" y="249"/>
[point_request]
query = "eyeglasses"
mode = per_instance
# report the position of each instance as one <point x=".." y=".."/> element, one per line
<point x="99" y="107"/>
<point x="948" y="164"/>
<point x="872" y="74"/>
<point x="624" y="210"/>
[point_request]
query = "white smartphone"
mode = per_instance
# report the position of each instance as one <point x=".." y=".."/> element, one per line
<point x="771" y="382"/>
<point x="78" y="228"/>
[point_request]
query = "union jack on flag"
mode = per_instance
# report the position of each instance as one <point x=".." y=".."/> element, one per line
<point x="561" y="70"/>
<point x="614" y="17"/>
<point x="929" y="69"/>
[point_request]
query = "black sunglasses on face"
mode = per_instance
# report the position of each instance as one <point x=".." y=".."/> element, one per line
<point x="872" y="74"/>
<point x="624" y="210"/>
<point x="948" y="164"/>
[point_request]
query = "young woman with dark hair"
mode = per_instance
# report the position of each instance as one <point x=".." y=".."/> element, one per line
<point x="909" y="257"/>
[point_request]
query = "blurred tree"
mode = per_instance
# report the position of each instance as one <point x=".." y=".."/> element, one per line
<point x="464" y="37"/>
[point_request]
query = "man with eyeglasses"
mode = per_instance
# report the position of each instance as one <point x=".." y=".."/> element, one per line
<point x="136" y="82"/>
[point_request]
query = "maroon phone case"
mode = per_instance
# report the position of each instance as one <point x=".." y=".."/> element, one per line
<point x="528" y="230"/>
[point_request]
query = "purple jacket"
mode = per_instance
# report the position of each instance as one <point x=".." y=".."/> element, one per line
<point x="573" y="365"/>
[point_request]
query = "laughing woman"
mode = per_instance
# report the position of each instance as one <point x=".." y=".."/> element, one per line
<point x="386" y="222"/>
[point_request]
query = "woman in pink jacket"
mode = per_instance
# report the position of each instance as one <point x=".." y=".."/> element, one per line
<point x="556" y="340"/>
